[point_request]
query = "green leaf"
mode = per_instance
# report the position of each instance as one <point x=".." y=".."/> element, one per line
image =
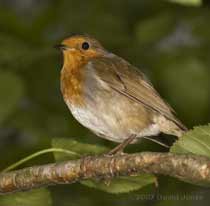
<point x="76" y="147"/>
<point x="11" y="90"/>
<point x="115" y="185"/>
<point x="196" y="141"/>
<point x="38" y="197"/>
<point x="188" y="2"/>
<point x="121" y="184"/>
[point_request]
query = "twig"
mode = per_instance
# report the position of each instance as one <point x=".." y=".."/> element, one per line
<point x="191" y="168"/>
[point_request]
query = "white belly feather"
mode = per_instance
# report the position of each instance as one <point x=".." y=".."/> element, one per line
<point x="103" y="124"/>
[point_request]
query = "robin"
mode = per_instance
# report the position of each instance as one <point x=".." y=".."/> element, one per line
<point x="111" y="97"/>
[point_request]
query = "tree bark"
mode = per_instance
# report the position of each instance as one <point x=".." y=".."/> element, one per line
<point x="190" y="168"/>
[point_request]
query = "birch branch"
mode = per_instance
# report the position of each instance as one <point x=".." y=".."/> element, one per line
<point x="190" y="168"/>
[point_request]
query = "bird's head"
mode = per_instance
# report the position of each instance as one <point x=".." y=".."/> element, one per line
<point x="79" y="47"/>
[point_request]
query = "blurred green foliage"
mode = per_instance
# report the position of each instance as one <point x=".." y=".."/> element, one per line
<point x="37" y="197"/>
<point x="11" y="90"/>
<point x="170" y="42"/>
<point x="188" y="2"/>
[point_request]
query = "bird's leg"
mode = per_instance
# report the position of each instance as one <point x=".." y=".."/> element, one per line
<point x="119" y="148"/>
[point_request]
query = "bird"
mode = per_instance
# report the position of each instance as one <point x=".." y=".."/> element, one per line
<point x="110" y="96"/>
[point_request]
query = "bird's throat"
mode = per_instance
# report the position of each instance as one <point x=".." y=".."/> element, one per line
<point x="72" y="79"/>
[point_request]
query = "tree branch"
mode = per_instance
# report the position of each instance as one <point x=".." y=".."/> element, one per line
<point x="191" y="168"/>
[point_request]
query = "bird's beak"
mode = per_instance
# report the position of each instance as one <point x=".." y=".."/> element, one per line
<point x="63" y="47"/>
<point x="60" y="46"/>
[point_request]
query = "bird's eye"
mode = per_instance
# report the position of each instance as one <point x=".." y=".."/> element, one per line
<point x="85" y="45"/>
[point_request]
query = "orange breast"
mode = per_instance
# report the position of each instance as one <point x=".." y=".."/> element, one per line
<point x="72" y="80"/>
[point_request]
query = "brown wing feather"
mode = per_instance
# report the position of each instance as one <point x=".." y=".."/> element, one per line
<point x="129" y="81"/>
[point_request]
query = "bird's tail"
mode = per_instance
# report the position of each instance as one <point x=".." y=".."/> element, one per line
<point x="171" y="126"/>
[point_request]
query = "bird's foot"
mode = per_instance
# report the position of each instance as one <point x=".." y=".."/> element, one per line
<point x="118" y="150"/>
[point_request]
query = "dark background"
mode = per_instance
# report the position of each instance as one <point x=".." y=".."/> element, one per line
<point x="169" y="42"/>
